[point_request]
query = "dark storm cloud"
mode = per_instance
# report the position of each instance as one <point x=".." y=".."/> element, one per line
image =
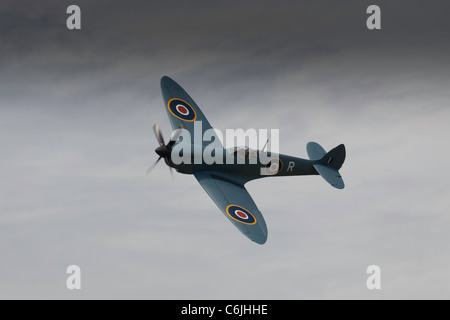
<point x="123" y="44"/>
<point x="249" y="40"/>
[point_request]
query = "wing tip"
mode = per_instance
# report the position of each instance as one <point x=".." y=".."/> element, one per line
<point x="259" y="237"/>
<point x="260" y="242"/>
<point x="168" y="82"/>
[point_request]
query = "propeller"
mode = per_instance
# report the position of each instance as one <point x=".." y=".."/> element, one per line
<point x="164" y="151"/>
<point x="158" y="134"/>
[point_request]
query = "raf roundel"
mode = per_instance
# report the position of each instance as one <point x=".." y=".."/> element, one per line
<point x="182" y="110"/>
<point x="274" y="166"/>
<point x="240" y="214"/>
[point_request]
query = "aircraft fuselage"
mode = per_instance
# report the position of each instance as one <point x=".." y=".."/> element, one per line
<point x="245" y="167"/>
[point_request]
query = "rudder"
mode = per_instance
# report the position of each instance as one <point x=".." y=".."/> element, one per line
<point x="335" y="157"/>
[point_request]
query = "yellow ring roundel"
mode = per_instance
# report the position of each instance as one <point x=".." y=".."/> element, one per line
<point x="181" y="109"/>
<point x="274" y="167"/>
<point x="240" y="214"/>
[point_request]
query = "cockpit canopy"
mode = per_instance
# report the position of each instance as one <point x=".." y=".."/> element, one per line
<point x="244" y="152"/>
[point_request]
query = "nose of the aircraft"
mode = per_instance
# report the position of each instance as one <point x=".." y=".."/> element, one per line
<point x="163" y="151"/>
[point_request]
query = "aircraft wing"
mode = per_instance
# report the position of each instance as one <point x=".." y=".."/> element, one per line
<point x="236" y="203"/>
<point x="183" y="112"/>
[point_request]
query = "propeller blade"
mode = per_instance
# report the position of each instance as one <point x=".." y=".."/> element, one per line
<point x="174" y="138"/>
<point x="151" y="168"/>
<point x="158" y="134"/>
<point x="171" y="173"/>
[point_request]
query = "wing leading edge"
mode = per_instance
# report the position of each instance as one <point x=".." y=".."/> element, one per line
<point x="236" y="204"/>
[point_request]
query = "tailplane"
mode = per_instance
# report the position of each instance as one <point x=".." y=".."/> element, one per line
<point x="328" y="163"/>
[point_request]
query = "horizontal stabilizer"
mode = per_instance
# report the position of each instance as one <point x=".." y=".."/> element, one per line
<point x="330" y="175"/>
<point x="315" y="151"/>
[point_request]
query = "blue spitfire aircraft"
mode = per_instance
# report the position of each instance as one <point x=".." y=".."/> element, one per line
<point x="224" y="183"/>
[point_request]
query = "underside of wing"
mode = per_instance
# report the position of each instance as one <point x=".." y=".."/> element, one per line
<point x="183" y="112"/>
<point x="236" y="204"/>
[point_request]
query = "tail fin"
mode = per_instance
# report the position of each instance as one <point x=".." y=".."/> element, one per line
<point x="328" y="164"/>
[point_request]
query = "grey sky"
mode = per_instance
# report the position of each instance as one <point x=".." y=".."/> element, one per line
<point x="76" y="109"/>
